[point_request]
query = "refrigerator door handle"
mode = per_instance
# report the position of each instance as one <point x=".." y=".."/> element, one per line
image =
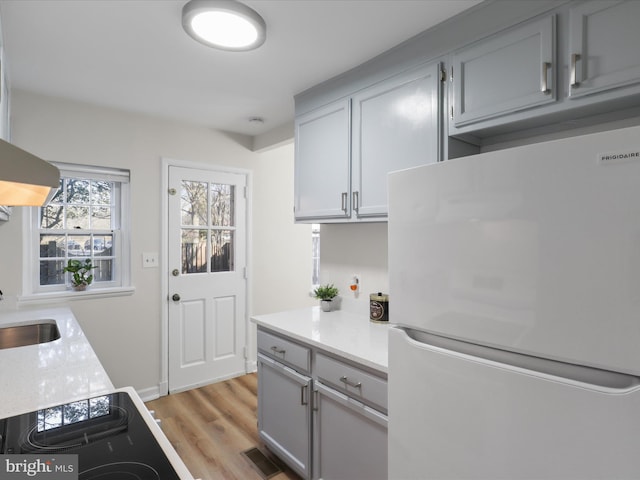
<point x="587" y="377"/>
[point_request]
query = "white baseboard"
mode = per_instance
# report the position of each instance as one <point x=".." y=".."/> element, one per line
<point x="148" y="394"/>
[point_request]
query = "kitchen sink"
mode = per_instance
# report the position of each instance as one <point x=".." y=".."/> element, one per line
<point x="24" y="334"/>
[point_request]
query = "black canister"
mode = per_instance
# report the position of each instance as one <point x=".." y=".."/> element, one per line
<point x="379" y="307"/>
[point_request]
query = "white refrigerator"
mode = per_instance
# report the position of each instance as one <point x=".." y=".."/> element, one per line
<point x="515" y="287"/>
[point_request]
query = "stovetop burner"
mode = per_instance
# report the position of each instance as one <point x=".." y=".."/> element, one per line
<point x="107" y="433"/>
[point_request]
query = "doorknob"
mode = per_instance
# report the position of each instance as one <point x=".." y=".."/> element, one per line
<point x="175" y="297"/>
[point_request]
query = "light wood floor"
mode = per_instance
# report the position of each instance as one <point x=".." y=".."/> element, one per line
<point x="210" y="426"/>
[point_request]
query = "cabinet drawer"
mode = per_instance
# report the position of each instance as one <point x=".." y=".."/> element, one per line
<point x="285" y="351"/>
<point x="353" y="381"/>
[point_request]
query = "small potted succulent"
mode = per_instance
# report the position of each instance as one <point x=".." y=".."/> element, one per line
<point x="81" y="275"/>
<point x="326" y="293"/>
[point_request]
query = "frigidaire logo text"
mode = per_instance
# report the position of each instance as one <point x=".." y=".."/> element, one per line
<point x="619" y="156"/>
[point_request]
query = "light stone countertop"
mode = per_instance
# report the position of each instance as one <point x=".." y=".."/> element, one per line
<point x="349" y="335"/>
<point x="37" y="376"/>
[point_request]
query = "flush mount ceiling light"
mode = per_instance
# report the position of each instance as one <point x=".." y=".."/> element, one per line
<point x="224" y="24"/>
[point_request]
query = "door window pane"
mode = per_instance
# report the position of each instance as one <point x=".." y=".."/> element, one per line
<point x="193" y="203"/>
<point x="222" y="251"/>
<point x="194" y="251"/>
<point x="222" y="200"/>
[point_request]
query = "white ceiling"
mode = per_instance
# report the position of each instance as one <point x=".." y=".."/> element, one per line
<point x="134" y="54"/>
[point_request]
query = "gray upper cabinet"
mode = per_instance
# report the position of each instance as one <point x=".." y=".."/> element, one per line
<point x="506" y="73"/>
<point x="395" y="126"/>
<point x="604" y="46"/>
<point x="322" y="166"/>
<point x="345" y="150"/>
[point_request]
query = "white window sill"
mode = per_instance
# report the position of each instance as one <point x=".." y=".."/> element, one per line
<point x="70" y="295"/>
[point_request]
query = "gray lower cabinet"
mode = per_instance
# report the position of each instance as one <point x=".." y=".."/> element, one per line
<point x="604" y="39"/>
<point x="350" y="438"/>
<point x="324" y="416"/>
<point x="284" y="413"/>
<point x="506" y="73"/>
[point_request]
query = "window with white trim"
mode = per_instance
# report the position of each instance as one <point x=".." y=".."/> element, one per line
<point x="87" y="218"/>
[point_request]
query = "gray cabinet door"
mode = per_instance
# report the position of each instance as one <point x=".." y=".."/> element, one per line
<point x="284" y="413"/>
<point x="395" y="126"/>
<point x="322" y="162"/>
<point x="506" y="73"/>
<point x="350" y="439"/>
<point x="604" y="46"/>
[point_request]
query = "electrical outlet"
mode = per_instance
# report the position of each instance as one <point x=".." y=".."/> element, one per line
<point x="150" y="260"/>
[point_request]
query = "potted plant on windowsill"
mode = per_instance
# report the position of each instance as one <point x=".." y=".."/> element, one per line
<point x="326" y="293"/>
<point x="81" y="276"/>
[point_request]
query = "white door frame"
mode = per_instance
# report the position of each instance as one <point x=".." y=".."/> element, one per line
<point x="163" y="387"/>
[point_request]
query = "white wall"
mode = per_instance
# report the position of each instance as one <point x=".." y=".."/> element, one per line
<point x="282" y="273"/>
<point x="361" y="248"/>
<point x="125" y="331"/>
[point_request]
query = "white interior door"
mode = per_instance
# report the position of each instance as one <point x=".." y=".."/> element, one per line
<point x="207" y="276"/>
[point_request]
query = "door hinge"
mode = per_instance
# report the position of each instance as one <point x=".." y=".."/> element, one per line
<point x="443" y="75"/>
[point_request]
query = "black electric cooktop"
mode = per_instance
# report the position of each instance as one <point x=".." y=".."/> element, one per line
<point x="108" y="434"/>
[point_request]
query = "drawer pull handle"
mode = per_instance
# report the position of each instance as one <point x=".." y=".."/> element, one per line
<point x="346" y="381"/>
<point x="278" y="350"/>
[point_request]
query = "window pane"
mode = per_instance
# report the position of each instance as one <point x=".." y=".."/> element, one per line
<point x="222" y="250"/>
<point x="222" y="205"/>
<point x="102" y="245"/>
<point x="101" y="218"/>
<point x="77" y="245"/>
<point x="77" y="217"/>
<point x="77" y="191"/>
<point x="193" y="203"/>
<point x="101" y="192"/>
<point x="51" y="246"/>
<point x="104" y="272"/>
<point x="52" y="216"/>
<point x="51" y="272"/>
<point x="194" y="251"/>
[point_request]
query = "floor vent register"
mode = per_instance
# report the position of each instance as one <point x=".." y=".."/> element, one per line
<point x="265" y="467"/>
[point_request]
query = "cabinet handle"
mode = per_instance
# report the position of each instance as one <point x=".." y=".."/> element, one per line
<point x="302" y="399"/>
<point x="344" y="202"/>
<point x="575" y="58"/>
<point x="544" y="84"/>
<point x="316" y="402"/>
<point x="356" y="201"/>
<point x="346" y="381"/>
<point x="278" y="350"/>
